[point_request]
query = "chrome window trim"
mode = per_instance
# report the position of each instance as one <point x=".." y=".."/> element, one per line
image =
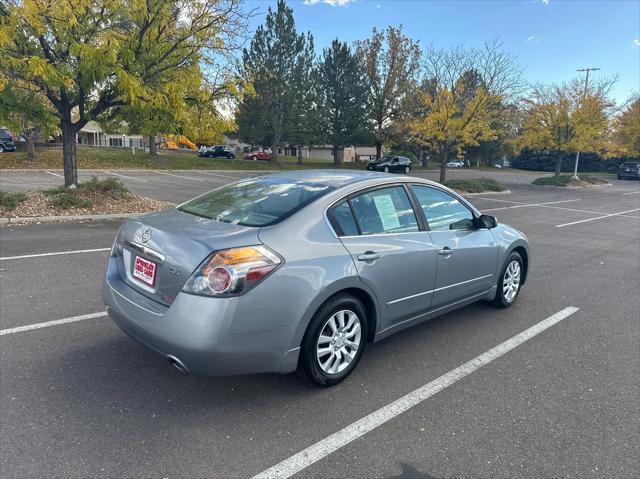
<point x="404" y="182"/>
<point x="438" y="289"/>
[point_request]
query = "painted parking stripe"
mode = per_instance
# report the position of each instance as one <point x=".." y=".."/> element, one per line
<point x="519" y="204"/>
<point x="598" y="218"/>
<point x="223" y="176"/>
<point x="540" y="205"/>
<point x="178" y="176"/>
<point x="125" y="176"/>
<point x="632" y="193"/>
<point x="48" y="324"/>
<point x="56" y="253"/>
<point x="54" y="174"/>
<point x="319" y="450"/>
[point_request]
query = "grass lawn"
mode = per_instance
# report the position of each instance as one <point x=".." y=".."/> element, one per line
<point x="115" y="158"/>
<point x="475" y="185"/>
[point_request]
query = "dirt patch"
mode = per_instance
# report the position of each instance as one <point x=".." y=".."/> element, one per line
<point x="38" y="204"/>
<point x="586" y="182"/>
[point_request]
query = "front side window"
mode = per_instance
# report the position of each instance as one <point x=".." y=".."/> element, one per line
<point x="386" y="210"/>
<point x="443" y="211"/>
<point x="256" y="202"/>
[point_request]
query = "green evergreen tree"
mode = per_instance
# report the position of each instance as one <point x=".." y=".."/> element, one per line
<point x="278" y="63"/>
<point x="343" y="99"/>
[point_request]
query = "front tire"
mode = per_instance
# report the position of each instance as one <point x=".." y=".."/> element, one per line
<point x="386" y="169"/>
<point x="509" y="281"/>
<point x="407" y="170"/>
<point x="334" y="341"/>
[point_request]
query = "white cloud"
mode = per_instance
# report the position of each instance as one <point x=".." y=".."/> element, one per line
<point x="636" y="42"/>
<point x="544" y="2"/>
<point x="532" y="39"/>
<point x="333" y="3"/>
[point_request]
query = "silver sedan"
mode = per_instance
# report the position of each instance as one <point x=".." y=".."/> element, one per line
<point x="301" y="270"/>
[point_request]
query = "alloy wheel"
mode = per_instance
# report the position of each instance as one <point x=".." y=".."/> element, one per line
<point x="511" y="281"/>
<point x="339" y="341"/>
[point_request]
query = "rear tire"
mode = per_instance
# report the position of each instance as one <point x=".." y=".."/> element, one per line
<point x="509" y="281"/>
<point x="334" y="341"/>
<point x="386" y="169"/>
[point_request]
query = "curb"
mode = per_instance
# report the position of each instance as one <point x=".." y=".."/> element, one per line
<point x="505" y="192"/>
<point x="55" y="219"/>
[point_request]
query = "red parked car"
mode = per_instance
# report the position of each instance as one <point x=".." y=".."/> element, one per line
<point x="258" y="155"/>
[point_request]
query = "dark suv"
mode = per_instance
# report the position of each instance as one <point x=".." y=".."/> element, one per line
<point x="218" y="151"/>
<point x="629" y="169"/>
<point x="388" y="164"/>
<point x="6" y="141"/>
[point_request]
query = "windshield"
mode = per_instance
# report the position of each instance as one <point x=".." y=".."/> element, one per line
<point x="255" y="202"/>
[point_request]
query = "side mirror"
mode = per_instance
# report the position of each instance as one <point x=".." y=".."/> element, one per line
<point x="488" y="221"/>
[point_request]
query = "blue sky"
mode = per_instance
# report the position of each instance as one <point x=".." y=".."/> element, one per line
<point x="551" y="38"/>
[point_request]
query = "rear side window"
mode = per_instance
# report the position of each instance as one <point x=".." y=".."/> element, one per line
<point x="343" y="220"/>
<point x="386" y="210"/>
<point x="256" y="202"/>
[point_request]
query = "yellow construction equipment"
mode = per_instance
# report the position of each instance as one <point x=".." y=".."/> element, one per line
<point x="172" y="142"/>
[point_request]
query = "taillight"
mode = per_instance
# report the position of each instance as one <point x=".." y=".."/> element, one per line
<point x="232" y="271"/>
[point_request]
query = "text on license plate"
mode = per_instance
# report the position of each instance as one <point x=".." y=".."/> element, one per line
<point x="145" y="271"/>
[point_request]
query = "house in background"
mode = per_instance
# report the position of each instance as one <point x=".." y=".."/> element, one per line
<point x="92" y="134"/>
<point x="350" y="154"/>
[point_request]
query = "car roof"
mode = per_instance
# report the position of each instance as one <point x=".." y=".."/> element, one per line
<point x="341" y="178"/>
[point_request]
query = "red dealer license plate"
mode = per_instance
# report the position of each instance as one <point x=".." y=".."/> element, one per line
<point x="145" y="271"/>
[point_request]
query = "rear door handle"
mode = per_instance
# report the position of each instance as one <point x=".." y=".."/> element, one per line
<point x="446" y="251"/>
<point x="368" y="256"/>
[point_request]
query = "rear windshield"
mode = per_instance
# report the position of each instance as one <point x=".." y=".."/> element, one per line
<point x="255" y="202"/>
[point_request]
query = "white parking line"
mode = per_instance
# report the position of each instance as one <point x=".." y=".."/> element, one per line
<point x="54" y="174"/>
<point x="542" y="205"/>
<point x="222" y="176"/>
<point x="525" y="205"/>
<point x="125" y="176"/>
<point x="57" y="253"/>
<point x="632" y="193"/>
<point x="597" y="218"/>
<point x="319" y="450"/>
<point x="178" y="176"/>
<point x="57" y="322"/>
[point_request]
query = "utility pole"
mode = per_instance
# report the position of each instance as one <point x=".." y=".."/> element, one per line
<point x="586" y="86"/>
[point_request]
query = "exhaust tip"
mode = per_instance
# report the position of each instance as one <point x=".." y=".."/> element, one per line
<point x="176" y="363"/>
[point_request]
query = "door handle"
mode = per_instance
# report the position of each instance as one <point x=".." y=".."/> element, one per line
<point x="446" y="251"/>
<point x="368" y="256"/>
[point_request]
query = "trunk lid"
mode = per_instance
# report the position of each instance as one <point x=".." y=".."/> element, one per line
<point x="176" y="243"/>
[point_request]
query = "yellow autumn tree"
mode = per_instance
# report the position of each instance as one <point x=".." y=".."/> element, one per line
<point x="460" y="97"/>
<point x="626" y="130"/>
<point x="95" y="59"/>
<point x="561" y="119"/>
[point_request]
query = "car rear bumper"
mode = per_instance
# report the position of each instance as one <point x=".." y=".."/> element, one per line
<point x="197" y="331"/>
<point x="628" y="174"/>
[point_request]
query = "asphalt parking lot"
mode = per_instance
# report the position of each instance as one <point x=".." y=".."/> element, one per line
<point x="80" y="399"/>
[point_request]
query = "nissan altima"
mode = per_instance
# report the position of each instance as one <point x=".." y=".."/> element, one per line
<point x="300" y="270"/>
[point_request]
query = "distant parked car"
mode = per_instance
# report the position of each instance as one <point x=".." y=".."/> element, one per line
<point x="218" y="151"/>
<point x="455" y="164"/>
<point x="629" y="169"/>
<point x="6" y="141"/>
<point x="258" y="155"/>
<point x="391" y="164"/>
